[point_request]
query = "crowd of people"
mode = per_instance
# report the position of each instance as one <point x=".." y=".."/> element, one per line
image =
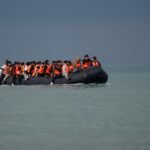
<point x="45" y="69"/>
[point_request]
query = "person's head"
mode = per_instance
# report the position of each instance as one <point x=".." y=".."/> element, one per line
<point x="65" y="61"/>
<point x="39" y="62"/>
<point x="7" y="62"/>
<point x="69" y="63"/>
<point x="86" y="56"/>
<point x="47" y="61"/>
<point x="22" y="63"/>
<point x="94" y="58"/>
<point x="53" y="62"/>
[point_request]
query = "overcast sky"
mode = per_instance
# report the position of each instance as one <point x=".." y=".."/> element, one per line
<point x="116" y="31"/>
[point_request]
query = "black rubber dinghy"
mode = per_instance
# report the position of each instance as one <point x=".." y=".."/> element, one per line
<point x="90" y="75"/>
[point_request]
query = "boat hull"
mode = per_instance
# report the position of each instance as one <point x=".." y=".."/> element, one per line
<point x="90" y="75"/>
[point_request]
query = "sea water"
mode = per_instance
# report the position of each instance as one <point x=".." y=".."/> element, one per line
<point x="113" y="116"/>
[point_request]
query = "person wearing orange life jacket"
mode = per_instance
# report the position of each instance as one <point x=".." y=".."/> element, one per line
<point x="71" y="67"/>
<point x="56" y="71"/>
<point x="41" y="70"/>
<point x="36" y="69"/>
<point x="46" y="63"/>
<point x="48" y="70"/>
<point x="95" y="62"/>
<point x="77" y="65"/>
<point x="86" y="62"/>
<point x="17" y="70"/>
<point x="30" y="68"/>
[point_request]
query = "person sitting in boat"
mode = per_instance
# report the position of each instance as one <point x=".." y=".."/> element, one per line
<point x="48" y="70"/>
<point x="56" y="71"/>
<point x="95" y="62"/>
<point x="86" y="62"/>
<point x="24" y="70"/>
<point x="71" y="67"/>
<point x="59" y="63"/>
<point x="17" y="72"/>
<point x="41" y="70"/>
<point x="36" y="69"/>
<point x="29" y="66"/>
<point x="5" y="72"/>
<point x="77" y="65"/>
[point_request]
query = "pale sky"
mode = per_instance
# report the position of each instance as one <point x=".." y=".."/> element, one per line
<point x="116" y="31"/>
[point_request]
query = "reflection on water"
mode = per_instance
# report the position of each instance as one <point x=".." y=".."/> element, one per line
<point x="81" y="86"/>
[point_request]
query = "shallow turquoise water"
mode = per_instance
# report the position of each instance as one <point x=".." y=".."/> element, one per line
<point x="114" y="116"/>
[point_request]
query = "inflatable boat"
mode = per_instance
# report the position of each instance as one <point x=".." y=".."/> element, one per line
<point x="90" y="75"/>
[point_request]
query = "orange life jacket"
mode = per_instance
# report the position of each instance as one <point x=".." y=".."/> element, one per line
<point x="48" y="69"/>
<point x="17" y="70"/>
<point x="57" y="70"/>
<point x="41" y="69"/>
<point x="35" y="70"/>
<point x="71" y="68"/>
<point x="67" y="69"/>
<point x="78" y="65"/>
<point x="86" y="65"/>
<point x="95" y="63"/>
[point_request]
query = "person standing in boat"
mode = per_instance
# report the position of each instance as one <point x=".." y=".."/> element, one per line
<point x="5" y="72"/>
<point x="65" y="69"/>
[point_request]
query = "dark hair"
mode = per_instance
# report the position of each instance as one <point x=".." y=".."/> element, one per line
<point x="53" y="62"/>
<point x="65" y="61"/>
<point x="8" y="62"/>
<point x="46" y="61"/>
<point x="94" y="57"/>
<point x="86" y="55"/>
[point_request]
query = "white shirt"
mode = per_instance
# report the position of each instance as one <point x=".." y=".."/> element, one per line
<point x="25" y="68"/>
<point x="0" y="72"/>
<point x="3" y="67"/>
<point x="64" y="69"/>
